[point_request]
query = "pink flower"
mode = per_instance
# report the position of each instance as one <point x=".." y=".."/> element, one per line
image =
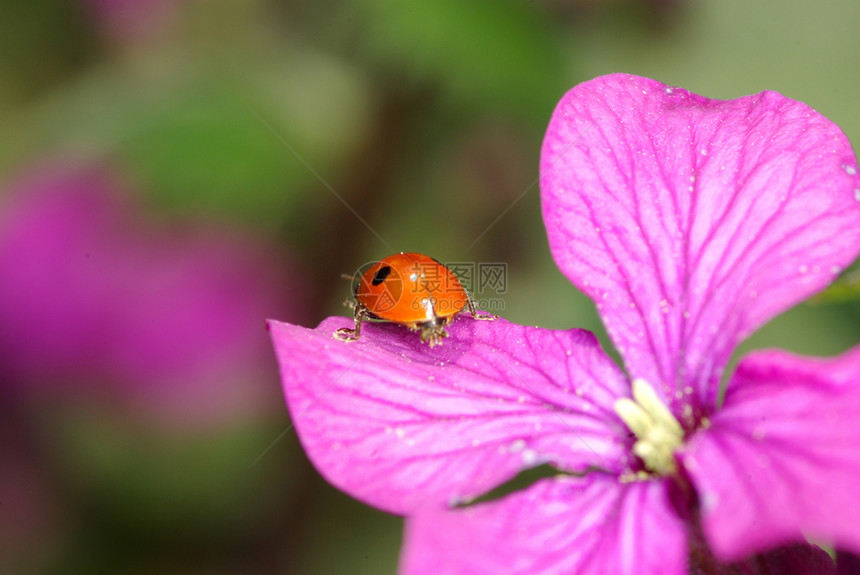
<point x="166" y="319"/>
<point x="690" y="222"/>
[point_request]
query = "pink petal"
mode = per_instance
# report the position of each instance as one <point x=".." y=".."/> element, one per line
<point x="781" y="459"/>
<point x="690" y="222"/>
<point x="399" y="425"/>
<point x="588" y="525"/>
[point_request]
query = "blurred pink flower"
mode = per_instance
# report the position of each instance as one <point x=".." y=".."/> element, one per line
<point x="126" y="20"/>
<point x="30" y="507"/>
<point x="160" y="318"/>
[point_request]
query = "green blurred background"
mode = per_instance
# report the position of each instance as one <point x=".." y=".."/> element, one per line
<point x="287" y="124"/>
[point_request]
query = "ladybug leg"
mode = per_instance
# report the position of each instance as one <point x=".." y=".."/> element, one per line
<point x="433" y="335"/>
<point x="470" y="303"/>
<point x="346" y="334"/>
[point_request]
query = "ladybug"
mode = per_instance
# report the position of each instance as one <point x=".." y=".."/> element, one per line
<point x="413" y="290"/>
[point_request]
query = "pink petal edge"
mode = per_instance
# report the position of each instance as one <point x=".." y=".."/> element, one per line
<point x="585" y="525"/>
<point x="690" y="222"/>
<point x="780" y="460"/>
<point x="399" y="425"/>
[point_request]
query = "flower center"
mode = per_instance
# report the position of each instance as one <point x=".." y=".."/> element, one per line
<point x="657" y="431"/>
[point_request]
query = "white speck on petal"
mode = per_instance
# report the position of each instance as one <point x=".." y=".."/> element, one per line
<point x="709" y="500"/>
<point x="530" y="457"/>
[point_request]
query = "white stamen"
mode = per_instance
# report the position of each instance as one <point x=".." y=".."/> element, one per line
<point x="650" y="402"/>
<point x="657" y="431"/>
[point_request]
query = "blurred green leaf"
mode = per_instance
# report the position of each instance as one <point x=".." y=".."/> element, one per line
<point x="493" y="54"/>
<point x="152" y="480"/>
<point x="206" y="140"/>
<point x="53" y="34"/>
<point x="208" y="151"/>
<point x="367" y="540"/>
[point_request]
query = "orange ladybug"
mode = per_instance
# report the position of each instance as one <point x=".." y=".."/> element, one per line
<point x="413" y="290"/>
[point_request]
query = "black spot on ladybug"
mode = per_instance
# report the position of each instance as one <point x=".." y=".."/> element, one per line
<point x="380" y="275"/>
